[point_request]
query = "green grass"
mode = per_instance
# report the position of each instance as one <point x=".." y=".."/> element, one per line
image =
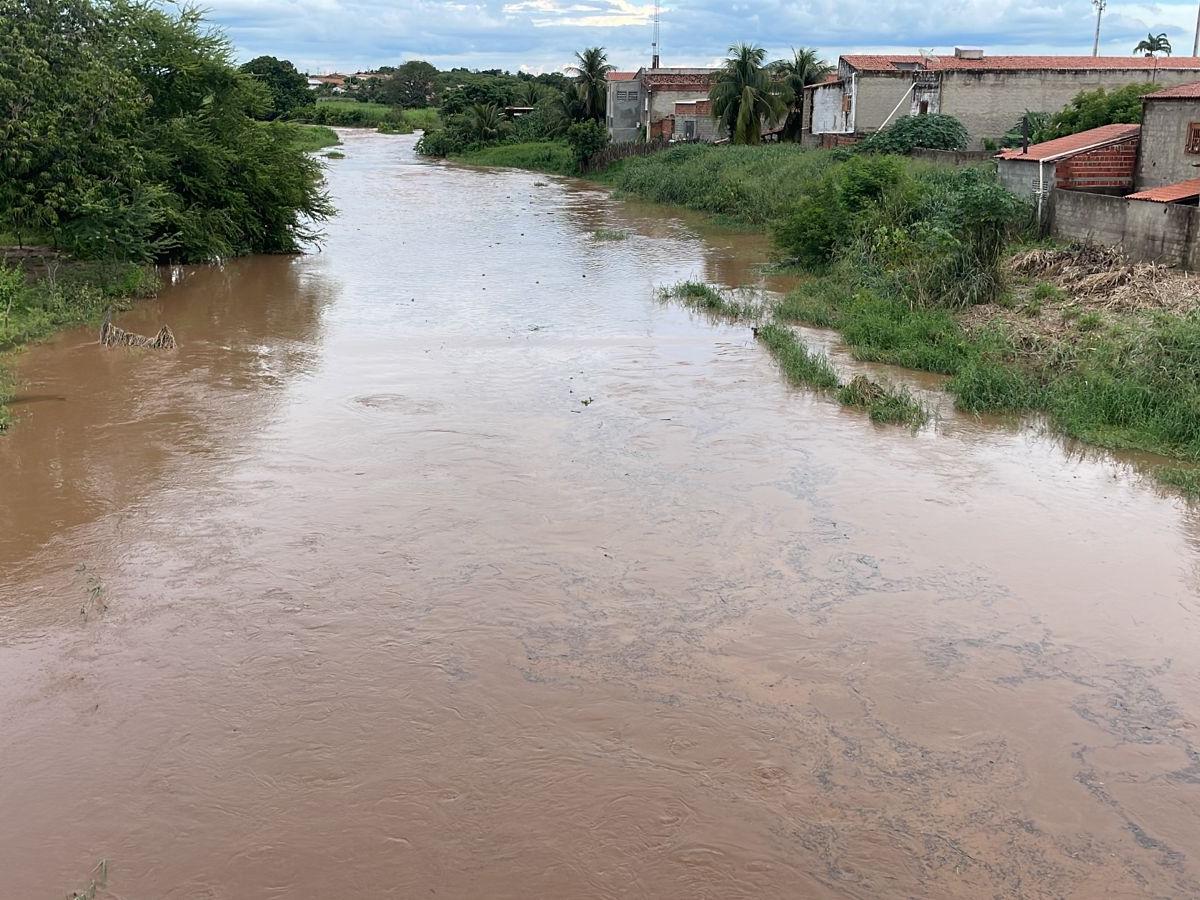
<point x="1186" y="479"/>
<point x="745" y="185"/>
<point x="539" y="156"/>
<point x="370" y="112"/>
<point x="799" y="365"/>
<point x="704" y="297"/>
<point x="885" y="404"/>
<point x="315" y="137"/>
<point x="334" y="154"/>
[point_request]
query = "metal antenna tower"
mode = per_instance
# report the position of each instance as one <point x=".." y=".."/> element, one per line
<point x="657" y="36"/>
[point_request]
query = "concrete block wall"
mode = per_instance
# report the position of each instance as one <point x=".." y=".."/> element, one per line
<point x="1164" y="158"/>
<point x="1164" y="233"/>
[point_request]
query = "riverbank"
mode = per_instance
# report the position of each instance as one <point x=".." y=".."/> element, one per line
<point x="1105" y="362"/>
<point x="48" y="294"/>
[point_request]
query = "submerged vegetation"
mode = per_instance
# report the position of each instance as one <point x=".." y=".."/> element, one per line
<point x="910" y="262"/>
<point x="129" y="137"/>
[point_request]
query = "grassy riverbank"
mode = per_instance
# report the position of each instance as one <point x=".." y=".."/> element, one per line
<point x="357" y="114"/>
<point x="920" y="266"/>
<point x="37" y="301"/>
<point x="311" y="138"/>
<point x="545" y="156"/>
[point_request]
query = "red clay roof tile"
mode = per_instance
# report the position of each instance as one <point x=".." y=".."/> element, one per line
<point x="887" y="63"/>
<point x="1179" y="92"/>
<point x="1170" y="193"/>
<point x="1060" y="148"/>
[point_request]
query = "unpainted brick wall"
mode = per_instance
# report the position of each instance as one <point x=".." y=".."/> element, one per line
<point x="1107" y="169"/>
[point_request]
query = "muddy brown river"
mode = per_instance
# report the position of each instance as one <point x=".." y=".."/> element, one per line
<point x="448" y="561"/>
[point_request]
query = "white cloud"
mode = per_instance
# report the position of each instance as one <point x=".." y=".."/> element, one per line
<point x="543" y="34"/>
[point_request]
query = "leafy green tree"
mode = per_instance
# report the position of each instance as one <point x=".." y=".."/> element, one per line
<point x="288" y="89"/>
<point x="68" y="114"/>
<point x="570" y="105"/>
<point x="128" y="133"/>
<point x="586" y="139"/>
<point x="744" y="97"/>
<point x="591" y="79"/>
<point x="1154" y="43"/>
<point x="806" y="67"/>
<point x="1091" y="109"/>
<point x="412" y="85"/>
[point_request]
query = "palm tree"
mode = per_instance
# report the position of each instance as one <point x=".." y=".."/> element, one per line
<point x="570" y="106"/>
<point x="485" y="122"/>
<point x="804" y="68"/>
<point x="529" y="94"/>
<point x="591" y="77"/>
<point x="1154" y="44"/>
<point x="744" y="98"/>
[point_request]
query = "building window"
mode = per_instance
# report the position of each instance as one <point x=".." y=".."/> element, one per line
<point x="1193" y="138"/>
<point x="923" y="108"/>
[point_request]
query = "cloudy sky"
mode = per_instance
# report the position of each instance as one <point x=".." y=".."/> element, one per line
<point x="540" y="35"/>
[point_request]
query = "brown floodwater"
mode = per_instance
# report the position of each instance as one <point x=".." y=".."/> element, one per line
<point x="354" y="595"/>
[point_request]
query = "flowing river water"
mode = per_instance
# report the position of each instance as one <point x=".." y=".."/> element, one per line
<point x="354" y="595"/>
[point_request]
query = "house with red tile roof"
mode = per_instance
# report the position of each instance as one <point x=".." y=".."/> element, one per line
<point x="1100" y="160"/>
<point x="989" y="94"/>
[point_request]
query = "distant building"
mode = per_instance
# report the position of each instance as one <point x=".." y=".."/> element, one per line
<point x="623" y="107"/>
<point x="693" y="121"/>
<point x="336" y="83"/>
<point x="642" y="105"/>
<point x="988" y="94"/>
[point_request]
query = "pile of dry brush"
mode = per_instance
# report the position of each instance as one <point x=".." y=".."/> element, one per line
<point x="1103" y="278"/>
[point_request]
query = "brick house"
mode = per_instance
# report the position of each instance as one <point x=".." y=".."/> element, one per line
<point x="988" y="94"/>
<point x="694" y="121"/>
<point x="1101" y="160"/>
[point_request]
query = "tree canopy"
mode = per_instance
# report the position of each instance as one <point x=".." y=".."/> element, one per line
<point x="744" y="96"/>
<point x="804" y="68"/>
<point x="1091" y="109"/>
<point x="288" y="89"/>
<point x="128" y="133"/>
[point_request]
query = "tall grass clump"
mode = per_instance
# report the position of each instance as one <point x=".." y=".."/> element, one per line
<point x="705" y="297"/>
<point x="798" y="364"/>
<point x="1136" y="388"/>
<point x="314" y="137"/>
<point x="749" y="185"/>
<point x="884" y="403"/>
<point x="929" y="235"/>
<point x="552" y="157"/>
<point x="1186" y="479"/>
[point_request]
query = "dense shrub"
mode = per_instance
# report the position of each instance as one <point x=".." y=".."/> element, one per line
<point x="586" y="139"/>
<point x="935" y="132"/>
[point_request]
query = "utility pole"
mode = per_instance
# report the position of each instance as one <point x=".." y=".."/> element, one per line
<point x="1099" y="4"/>
<point x="1196" y="43"/>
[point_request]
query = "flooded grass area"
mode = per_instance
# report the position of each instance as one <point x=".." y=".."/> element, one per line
<point x="452" y="560"/>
